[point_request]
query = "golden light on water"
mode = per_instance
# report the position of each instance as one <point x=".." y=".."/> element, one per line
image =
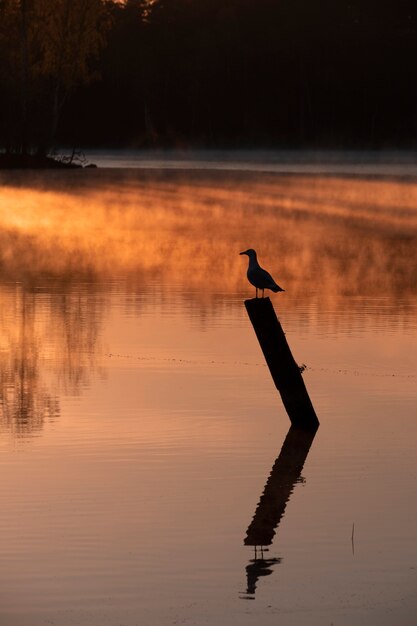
<point x="322" y="239"/>
<point x="139" y="423"/>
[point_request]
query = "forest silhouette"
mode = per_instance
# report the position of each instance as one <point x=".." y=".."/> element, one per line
<point x="207" y="73"/>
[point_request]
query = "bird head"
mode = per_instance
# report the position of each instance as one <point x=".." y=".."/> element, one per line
<point x="250" y="252"/>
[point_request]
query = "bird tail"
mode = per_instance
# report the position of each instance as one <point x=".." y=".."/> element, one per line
<point x="276" y="289"/>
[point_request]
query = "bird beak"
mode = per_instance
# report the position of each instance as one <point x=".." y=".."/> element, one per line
<point x="242" y="252"/>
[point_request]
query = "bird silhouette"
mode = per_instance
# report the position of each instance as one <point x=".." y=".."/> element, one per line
<point x="257" y="276"/>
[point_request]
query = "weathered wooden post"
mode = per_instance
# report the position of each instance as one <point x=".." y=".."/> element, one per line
<point x="284" y="370"/>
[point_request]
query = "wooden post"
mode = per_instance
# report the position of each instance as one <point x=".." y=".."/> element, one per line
<point x="284" y="370"/>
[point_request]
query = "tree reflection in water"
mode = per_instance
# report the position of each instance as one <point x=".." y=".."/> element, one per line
<point x="49" y="345"/>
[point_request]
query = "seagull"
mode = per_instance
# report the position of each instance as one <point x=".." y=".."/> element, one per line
<point x="259" y="277"/>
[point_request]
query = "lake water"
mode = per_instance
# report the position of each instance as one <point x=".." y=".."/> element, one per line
<point x="141" y="437"/>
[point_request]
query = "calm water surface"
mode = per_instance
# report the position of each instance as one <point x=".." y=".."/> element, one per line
<point x="143" y="446"/>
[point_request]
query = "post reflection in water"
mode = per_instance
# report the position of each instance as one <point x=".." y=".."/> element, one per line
<point x="285" y="473"/>
<point x="49" y="344"/>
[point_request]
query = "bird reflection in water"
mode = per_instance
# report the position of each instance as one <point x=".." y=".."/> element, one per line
<point x="257" y="567"/>
<point x="285" y="473"/>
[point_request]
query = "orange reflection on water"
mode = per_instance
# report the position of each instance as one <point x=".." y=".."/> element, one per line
<point x="133" y="504"/>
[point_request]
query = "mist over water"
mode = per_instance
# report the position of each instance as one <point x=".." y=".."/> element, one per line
<point x="141" y="437"/>
<point x="342" y="234"/>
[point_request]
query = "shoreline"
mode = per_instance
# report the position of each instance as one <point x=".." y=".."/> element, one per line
<point x="33" y="162"/>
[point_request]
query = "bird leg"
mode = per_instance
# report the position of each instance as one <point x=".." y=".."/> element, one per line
<point x="256" y="291"/>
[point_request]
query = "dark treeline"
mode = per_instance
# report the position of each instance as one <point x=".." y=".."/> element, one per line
<point x="208" y="73"/>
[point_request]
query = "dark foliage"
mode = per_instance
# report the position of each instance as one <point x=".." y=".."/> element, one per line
<point x="239" y="73"/>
